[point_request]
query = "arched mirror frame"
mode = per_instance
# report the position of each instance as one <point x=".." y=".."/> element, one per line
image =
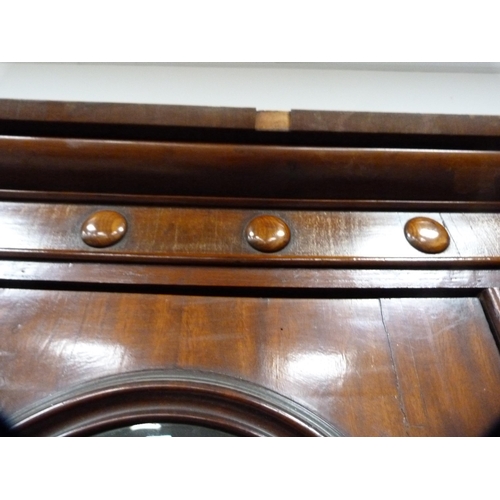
<point x="231" y="405"/>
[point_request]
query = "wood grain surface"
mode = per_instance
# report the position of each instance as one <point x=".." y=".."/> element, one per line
<point x="203" y="116"/>
<point x="126" y="114"/>
<point x="400" y="123"/>
<point x="370" y="367"/>
<point x="248" y="171"/>
<point x="490" y="299"/>
<point x="318" y="238"/>
<point x="345" y="317"/>
<point x="329" y="282"/>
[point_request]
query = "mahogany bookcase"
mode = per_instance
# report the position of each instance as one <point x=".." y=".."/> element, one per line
<point x="255" y="273"/>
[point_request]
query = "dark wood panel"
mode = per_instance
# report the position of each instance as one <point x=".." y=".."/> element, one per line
<point x="53" y="231"/>
<point x="370" y="368"/>
<point x="446" y="364"/>
<point x="473" y="233"/>
<point x="346" y="318"/>
<point x="426" y="280"/>
<point x="230" y="170"/>
<point x="126" y="114"/>
<point x="165" y="234"/>
<point x="395" y="123"/>
<point x="490" y="299"/>
<point x="273" y="343"/>
<point x="256" y="203"/>
<point x="188" y="397"/>
<point x="245" y="118"/>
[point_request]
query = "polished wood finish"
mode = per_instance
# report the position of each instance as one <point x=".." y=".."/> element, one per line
<point x="490" y="299"/>
<point x="189" y="397"/>
<point x="356" y="363"/>
<point x="452" y="344"/>
<point x="302" y="281"/>
<point x="267" y="233"/>
<point x="347" y="322"/>
<point x="256" y="203"/>
<point x="427" y="235"/>
<point x="226" y="236"/>
<point x="249" y="171"/>
<point x="104" y="228"/>
<point x="475" y="232"/>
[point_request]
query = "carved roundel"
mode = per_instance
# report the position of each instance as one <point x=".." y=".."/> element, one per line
<point x="427" y="235"/>
<point x="208" y="400"/>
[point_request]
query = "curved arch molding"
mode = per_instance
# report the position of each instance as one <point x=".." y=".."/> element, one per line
<point x="228" y="404"/>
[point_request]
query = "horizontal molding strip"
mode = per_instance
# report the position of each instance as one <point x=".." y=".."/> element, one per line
<point x="258" y="203"/>
<point x="243" y="171"/>
<point x="80" y="275"/>
<point x="218" y="237"/>
<point x="245" y="118"/>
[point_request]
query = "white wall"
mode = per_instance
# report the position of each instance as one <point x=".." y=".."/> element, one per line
<point x="456" y="88"/>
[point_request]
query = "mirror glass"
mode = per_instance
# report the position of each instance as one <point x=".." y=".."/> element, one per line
<point x="156" y="429"/>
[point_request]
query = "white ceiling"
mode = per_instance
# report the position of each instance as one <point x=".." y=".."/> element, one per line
<point x="448" y="88"/>
<point x="426" y="67"/>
